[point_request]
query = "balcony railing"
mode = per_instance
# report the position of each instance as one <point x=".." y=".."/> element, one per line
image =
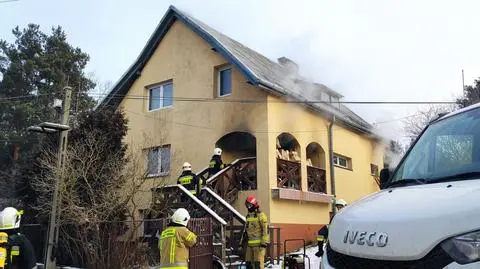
<point x="288" y="174"/>
<point x="316" y="179"/>
<point x="240" y="176"/>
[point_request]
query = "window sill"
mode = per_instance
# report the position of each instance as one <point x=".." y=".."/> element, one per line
<point x="301" y="196"/>
<point x="225" y="95"/>
<point x="158" y="175"/>
<point x="343" y="167"/>
<point x="161" y="108"/>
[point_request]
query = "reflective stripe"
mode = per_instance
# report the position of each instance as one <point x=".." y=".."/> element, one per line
<point x="170" y="232"/>
<point x="212" y="164"/>
<point x="320" y="238"/>
<point x="186" y="180"/>
<point x="254" y="241"/>
<point x="178" y="265"/>
<point x="15" y="251"/>
<point x="193" y="192"/>
<point x="266" y="238"/>
<point x="190" y="236"/>
<point x="172" y="250"/>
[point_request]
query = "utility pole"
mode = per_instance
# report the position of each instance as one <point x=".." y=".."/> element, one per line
<point x="53" y="226"/>
<point x="463" y="82"/>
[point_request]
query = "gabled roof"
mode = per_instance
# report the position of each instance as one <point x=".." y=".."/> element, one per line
<point x="257" y="69"/>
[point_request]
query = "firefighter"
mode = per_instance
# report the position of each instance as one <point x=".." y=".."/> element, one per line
<point x="189" y="180"/>
<point x="322" y="237"/>
<point x="175" y="241"/>
<point x="257" y="234"/>
<point x="16" y="250"/>
<point x="216" y="163"/>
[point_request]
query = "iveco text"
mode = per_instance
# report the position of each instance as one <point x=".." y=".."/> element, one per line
<point x="427" y="213"/>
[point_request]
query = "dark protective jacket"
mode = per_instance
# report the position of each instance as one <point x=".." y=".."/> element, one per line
<point x="190" y="181"/>
<point x="20" y="253"/>
<point x="216" y="165"/>
<point x="322" y="237"/>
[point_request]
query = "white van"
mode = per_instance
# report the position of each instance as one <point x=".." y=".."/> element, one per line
<point x="427" y="214"/>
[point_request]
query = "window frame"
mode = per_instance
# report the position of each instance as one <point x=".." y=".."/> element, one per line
<point x="336" y="161"/>
<point x="158" y="173"/>
<point x="219" y="80"/>
<point x="372" y="166"/>
<point x="159" y="86"/>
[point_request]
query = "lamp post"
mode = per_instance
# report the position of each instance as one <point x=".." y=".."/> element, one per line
<point x="62" y="128"/>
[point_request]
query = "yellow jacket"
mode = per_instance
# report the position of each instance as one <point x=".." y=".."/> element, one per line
<point x="257" y="229"/>
<point x="174" y="245"/>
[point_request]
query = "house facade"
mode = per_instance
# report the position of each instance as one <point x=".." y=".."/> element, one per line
<point x="193" y="89"/>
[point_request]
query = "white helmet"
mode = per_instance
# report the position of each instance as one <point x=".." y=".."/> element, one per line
<point x="217" y="151"/>
<point x="341" y="202"/>
<point x="187" y="167"/>
<point x="181" y="217"/>
<point x="10" y="218"/>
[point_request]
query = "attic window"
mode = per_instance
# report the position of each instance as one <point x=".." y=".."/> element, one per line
<point x="334" y="101"/>
<point x="224" y="81"/>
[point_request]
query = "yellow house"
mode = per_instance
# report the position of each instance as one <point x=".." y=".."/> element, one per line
<point x="193" y="89"/>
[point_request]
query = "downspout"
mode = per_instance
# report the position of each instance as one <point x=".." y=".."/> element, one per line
<point x="330" y="155"/>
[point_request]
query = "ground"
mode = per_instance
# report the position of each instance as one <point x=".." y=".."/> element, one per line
<point x="310" y="252"/>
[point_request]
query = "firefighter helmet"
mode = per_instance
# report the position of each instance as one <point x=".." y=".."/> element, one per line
<point x="217" y="151"/>
<point x="187" y="167"/>
<point x="340" y="202"/>
<point x="10" y="218"/>
<point x="251" y="201"/>
<point x="181" y="217"/>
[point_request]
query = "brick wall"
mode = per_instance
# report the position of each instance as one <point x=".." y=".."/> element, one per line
<point x="295" y="231"/>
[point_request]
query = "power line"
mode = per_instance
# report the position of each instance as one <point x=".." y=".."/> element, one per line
<point x="22" y="97"/>
<point x="6" y="1"/>
<point x="397" y="119"/>
<point x="222" y="100"/>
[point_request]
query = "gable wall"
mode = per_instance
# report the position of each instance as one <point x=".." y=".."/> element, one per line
<point x="192" y="128"/>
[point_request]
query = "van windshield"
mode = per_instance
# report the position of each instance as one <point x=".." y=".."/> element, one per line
<point x="448" y="150"/>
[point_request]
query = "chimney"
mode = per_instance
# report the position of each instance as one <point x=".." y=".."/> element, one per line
<point x="289" y="64"/>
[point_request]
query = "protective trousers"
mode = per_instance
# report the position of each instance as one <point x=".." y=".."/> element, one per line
<point x="255" y="257"/>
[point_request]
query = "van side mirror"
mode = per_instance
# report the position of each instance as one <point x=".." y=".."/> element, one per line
<point x="384" y="177"/>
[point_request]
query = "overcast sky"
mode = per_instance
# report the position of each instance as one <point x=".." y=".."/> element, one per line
<point x="370" y="50"/>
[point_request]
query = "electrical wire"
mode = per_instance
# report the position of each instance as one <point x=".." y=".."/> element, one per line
<point x="222" y="100"/>
<point x="397" y="119"/>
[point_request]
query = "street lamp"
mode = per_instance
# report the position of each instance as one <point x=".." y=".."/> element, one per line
<point x="48" y="127"/>
<point x="53" y="229"/>
<point x="62" y="128"/>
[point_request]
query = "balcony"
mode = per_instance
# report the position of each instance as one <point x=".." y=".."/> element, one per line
<point x="288" y="174"/>
<point x="316" y="178"/>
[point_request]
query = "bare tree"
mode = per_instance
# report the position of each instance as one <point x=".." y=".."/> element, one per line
<point x="98" y="212"/>
<point x="413" y="126"/>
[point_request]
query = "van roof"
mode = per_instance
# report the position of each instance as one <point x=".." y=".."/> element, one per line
<point x="459" y="111"/>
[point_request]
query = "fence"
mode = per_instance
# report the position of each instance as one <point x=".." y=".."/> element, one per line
<point x="201" y="255"/>
<point x="37" y="234"/>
